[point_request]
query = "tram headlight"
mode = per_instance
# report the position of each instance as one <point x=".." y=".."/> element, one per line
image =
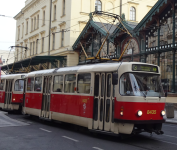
<point x="139" y="113"/>
<point x="163" y="112"/>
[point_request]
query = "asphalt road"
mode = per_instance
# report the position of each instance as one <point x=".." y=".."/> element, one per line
<point x="35" y="134"/>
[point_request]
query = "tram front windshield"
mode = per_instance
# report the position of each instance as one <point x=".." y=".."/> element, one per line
<point x="141" y="84"/>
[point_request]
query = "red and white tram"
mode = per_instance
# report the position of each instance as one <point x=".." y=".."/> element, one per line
<point x="120" y="98"/>
<point x="11" y="91"/>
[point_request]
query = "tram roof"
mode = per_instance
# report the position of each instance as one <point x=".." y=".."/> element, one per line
<point x="12" y="76"/>
<point x="100" y="67"/>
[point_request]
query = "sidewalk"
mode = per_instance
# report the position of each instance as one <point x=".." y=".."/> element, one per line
<point x="3" y="112"/>
<point x="171" y="120"/>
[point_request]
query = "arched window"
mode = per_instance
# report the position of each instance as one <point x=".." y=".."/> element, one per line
<point x="98" y="5"/>
<point x="132" y="13"/>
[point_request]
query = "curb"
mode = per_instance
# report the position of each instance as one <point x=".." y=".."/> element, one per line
<point x="3" y="112"/>
<point x="170" y="121"/>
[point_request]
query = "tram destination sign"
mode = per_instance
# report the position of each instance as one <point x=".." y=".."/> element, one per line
<point x="147" y="68"/>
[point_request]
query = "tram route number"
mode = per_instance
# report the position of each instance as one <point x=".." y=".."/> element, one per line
<point x="151" y="112"/>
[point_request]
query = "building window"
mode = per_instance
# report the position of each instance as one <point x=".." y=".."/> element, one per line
<point x="33" y="47"/>
<point x="53" y="45"/>
<point x="42" y="44"/>
<point x="21" y="54"/>
<point x="36" y="46"/>
<point x="43" y="17"/>
<point x="17" y="55"/>
<point x="142" y="45"/>
<point x="32" y="24"/>
<point x="31" y="44"/>
<point x="63" y="13"/>
<point x="55" y="13"/>
<point x="62" y="38"/>
<point x="132" y="13"/>
<point x="26" y="51"/>
<point x="98" y="5"/>
<point x="37" y="21"/>
<point x="26" y="27"/>
<point x="22" y="30"/>
<point x="18" y="33"/>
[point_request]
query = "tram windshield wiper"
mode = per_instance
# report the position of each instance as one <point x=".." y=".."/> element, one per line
<point x="144" y="94"/>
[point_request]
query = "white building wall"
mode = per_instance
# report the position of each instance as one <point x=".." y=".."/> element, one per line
<point x="6" y="55"/>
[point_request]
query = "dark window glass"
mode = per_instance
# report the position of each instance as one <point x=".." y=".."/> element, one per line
<point x="30" y="84"/>
<point x="38" y="84"/>
<point x="101" y="110"/>
<point x="102" y="85"/>
<point x="70" y="83"/>
<point x="2" y="84"/>
<point x="107" y="110"/>
<point x="141" y="84"/>
<point x="84" y="81"/>
<point x="58" y="84"/>
<point x="19" y="84"/>
<point x="96" y="90"/>
<point x="109" y="85"/>
<point x="95" y="115"/>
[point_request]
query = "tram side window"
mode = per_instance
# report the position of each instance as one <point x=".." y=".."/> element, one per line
<point x="2" y="84"/>
<point x="84" y="81"/>
<point x="38" y="84"/>
<point x="19" y="84"/>
<point x="70" y="83"/>
<point x="30" y="84"/>
<point x="125" y="85"/>
<point x="58" y="84"/>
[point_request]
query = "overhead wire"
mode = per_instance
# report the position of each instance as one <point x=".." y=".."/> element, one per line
<point x="66" y="30"/>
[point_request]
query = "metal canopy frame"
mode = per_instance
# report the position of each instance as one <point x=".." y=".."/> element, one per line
<point x="33" y="61"/>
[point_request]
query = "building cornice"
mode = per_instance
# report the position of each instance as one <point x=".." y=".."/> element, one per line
<point x="54" y="1"/>
<point x="33" y="36"/>
<point x="63" y="23"/>
<point x="35" y="13"/>
<point x="44" y="7"/>
<point x="25" y="8"/>
<point x="133" y="3"/>
<point x="42" y="32"/>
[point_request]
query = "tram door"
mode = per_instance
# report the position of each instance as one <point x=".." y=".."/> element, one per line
<point x="103" y="102"/>
<point x="8" y="94"/>
<point x="45" y="109"/>
<point x="24" y="91"/>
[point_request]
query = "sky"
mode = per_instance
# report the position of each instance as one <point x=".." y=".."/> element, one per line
<point x="8" y="24"/>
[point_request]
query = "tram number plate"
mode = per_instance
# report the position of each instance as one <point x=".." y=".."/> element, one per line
<point x="151" y="112"/>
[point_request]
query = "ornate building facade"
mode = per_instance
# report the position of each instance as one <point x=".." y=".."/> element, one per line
<point x="154" y="41"/>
